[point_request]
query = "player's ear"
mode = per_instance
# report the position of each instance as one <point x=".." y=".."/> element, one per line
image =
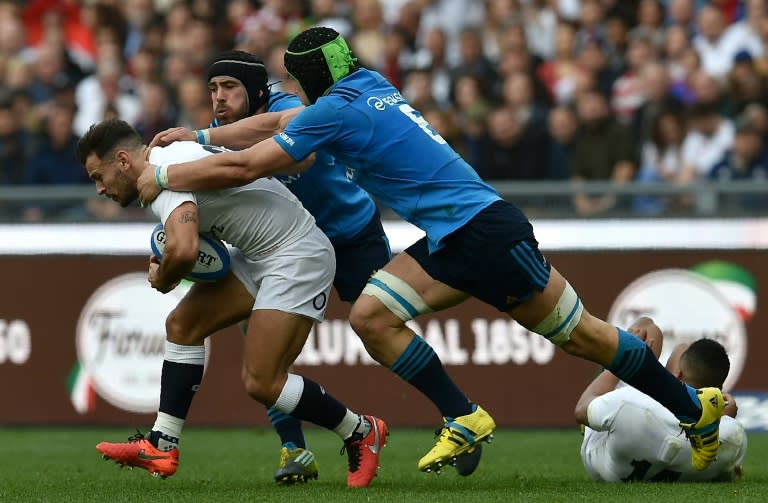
<point x="124" y="159"/>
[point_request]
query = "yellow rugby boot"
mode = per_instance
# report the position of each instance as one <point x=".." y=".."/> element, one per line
<point x="296" y="465"/>
<point x="704" y="434"/>
<point x="458" y="436"/>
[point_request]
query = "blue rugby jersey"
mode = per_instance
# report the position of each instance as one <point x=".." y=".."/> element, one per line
<point x="341" y="208"/>
<point x="392" y="152"/>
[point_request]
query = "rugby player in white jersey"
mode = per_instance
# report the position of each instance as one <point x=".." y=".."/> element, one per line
<point x="629" y="436"/>
<point x="282" y="269"/>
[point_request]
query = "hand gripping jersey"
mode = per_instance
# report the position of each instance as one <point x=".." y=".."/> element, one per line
<point x="392" y="152"/>
<point x="341" y="208"/>
<point x="257" y="218"/>
<point x="632" y="437"/>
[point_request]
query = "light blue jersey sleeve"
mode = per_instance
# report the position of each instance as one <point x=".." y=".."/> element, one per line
<point x="317" y="126"/>
<point x="341" y="208"/>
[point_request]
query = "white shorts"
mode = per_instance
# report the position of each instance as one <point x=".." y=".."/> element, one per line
<point x="296" y="279"/>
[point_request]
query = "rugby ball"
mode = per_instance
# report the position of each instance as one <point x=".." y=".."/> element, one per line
<point x="212" y="257"/>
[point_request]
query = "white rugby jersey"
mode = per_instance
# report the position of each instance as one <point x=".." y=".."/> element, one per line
<point x="257" y="218"/>
<point x="633" y="437"/>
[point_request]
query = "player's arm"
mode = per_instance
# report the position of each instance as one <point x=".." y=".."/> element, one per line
<point x="181" y="248"/>
<point x="250" y="130"/>
<point x="237" y="135"/>
<point x="644" y="329"/>
<point x="601" y="385"/>
<point x="220" y="171"/>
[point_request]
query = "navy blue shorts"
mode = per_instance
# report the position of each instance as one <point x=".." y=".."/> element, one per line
<point x="357" y="259"/>
<point x="494" y="257"/>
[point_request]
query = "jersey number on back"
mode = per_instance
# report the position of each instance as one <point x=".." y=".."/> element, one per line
<point x="420" y="121"/>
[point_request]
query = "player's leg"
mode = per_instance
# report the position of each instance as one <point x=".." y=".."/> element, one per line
<point x="206" y="308"/>
<point x="294" y="284"/>
<point x="357" y="259"/>
<point x="400" y="291"/>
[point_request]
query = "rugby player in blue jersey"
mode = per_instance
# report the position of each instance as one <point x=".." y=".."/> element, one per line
<point x="346" y="214"/>
<point x="476" y="243"/>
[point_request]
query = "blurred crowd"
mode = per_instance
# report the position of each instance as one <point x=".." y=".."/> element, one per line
<point x="670" y="91"/>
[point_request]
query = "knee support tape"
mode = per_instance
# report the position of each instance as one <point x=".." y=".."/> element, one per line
<point x="397" y="295"/>
<point x="559" y="324"/>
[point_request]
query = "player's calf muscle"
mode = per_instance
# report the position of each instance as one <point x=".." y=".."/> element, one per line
<point x="593" y="339"/>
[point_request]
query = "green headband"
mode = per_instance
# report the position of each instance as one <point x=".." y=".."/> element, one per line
<point x="337" y="56"/>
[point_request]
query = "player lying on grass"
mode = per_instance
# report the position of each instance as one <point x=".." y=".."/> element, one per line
<point x="281" y="274"/>
<point x="476" y="244"/>
<point x="628" y="436"/>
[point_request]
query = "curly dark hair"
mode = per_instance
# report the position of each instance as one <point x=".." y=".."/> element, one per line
<point x="106" y="137"/>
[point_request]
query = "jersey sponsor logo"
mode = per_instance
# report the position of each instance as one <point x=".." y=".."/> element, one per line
<point x="287" y="139"/>
<point x="689" y="305"/>
<point x="120" y="340"/>
<point x="381" y="103"/>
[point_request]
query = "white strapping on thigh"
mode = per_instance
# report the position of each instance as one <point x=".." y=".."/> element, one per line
<point x="397" y="295"/>
<point x="559" y="324"/>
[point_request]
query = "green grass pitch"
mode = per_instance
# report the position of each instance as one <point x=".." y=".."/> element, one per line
<point x="61" y="465"/>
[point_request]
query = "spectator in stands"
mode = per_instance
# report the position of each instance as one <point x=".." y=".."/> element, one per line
<point x="709" y="137"/>
<point x="650" y="23"/>
<point x="707" y="89"/>
<point x="514" y="149"/>
<point x="604" y="150"/>
<point x="682" y="13"/>
<point x="657" y="99"/>
<point x="455" y="18"/>
<point x="517" y="58"/>
<point x="676" y="45"/>
<point x="745" y="84"/>
<point x="746" y="160"/>
<point x="517" y="93"/>
<point x="661" y="160"/>
<point x="53" y="161"/>
<point x="562" y="127"/>
<point x="540" y="19"/>
<point x="744" y="35"/>
<point x="105" y="91"/>
<point x="433" y="58"/>
<point x="194" y="106"/>
<point x="13" y="141"/>
<point x="157" y="114"/>
<point x="473" y="61"/>
<point x="559" y="74"/>
<point x="591" y="23"/>
<point x="627" y="95"/>
<point x="713" y="46"/>
<point x="472" y="110"/>
<point x="593" y="60"/>
<point x="332" y="14"/>
<point x="500" y="14"/>
<point x="417" y="89"/>
<point x="368" y="39"/>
